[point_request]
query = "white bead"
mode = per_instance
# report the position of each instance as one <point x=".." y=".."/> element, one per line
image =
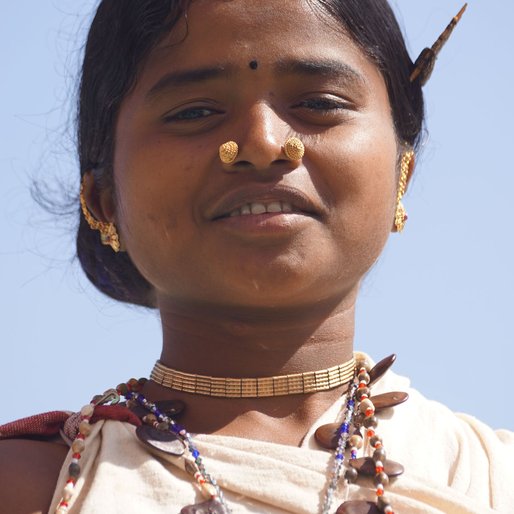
<point x="87" y="410"/>
<point x="208" y="490"/>
<point x="356" y="441"/>
<point x="365" y="405"/>
<point x="78" y="446"/>
<point x="85" y="428"/>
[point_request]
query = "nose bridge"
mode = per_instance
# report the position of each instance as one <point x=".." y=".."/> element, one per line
<point x="262" y="135"/>
<point x="263" y="123"/>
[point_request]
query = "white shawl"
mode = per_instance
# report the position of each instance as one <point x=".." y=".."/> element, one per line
<point x="454" y="464"/>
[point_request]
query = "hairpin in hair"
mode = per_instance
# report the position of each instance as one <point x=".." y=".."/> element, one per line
<point x="424" y="64"/>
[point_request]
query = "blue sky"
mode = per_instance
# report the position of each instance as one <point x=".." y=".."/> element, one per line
<point x="441" y="297"/>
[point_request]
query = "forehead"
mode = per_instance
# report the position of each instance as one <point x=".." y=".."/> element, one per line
<point x="240" y="31"/>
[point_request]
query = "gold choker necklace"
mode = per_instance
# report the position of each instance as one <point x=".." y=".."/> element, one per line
<point x="282" y="385"/>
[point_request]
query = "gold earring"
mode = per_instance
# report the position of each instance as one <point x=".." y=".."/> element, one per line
<point x="294" y="149"/>
<point x="228" y="152"/>
<point x="400" y="217"/>
<point x="108" y="233"/>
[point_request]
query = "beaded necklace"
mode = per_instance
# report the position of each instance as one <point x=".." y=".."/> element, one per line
<point x="159" y="429"/>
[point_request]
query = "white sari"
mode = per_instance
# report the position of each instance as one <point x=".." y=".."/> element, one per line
<point x="454" y="464"/>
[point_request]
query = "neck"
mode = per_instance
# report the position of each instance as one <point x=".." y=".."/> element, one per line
<point x="240" y="343"/>
<point x="257" y="342"/>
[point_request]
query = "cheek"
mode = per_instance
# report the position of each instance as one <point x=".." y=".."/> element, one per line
<point x="155" y="187"/>
<point x="152" y="176"/>
<point x="361" y="191"/>
<point x="363" y="180"/>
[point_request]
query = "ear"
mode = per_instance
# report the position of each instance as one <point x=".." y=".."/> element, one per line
<point x="99" y="200"/>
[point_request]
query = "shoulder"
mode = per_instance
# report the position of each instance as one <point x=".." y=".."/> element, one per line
<point x="450" y="451"/>
<point x="28" y="473"/>
<point x="31" y="456"/>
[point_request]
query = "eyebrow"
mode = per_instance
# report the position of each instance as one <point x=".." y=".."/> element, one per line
<point x="188" y="77"/>
<point x="330" y="68"/>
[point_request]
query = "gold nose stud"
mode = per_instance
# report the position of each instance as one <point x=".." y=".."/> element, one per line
<point x="294" y="149"/>
<point x="228" y="152"/>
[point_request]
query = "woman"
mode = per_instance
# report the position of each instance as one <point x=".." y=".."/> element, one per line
<point x="244" y="190"/>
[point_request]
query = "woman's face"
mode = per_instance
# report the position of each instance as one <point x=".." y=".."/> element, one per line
<point x="255" y="73"/>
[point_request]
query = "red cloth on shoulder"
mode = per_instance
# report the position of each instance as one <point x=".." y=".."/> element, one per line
<point x="44" y="425"/>
<point x="115" y="413"/>
<point x="49" y="424"/>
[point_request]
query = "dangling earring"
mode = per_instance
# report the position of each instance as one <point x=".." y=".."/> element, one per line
<point x="400" y="216"/>
<point x="108" y="233"/>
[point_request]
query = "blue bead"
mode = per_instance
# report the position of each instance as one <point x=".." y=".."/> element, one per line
<point x="344" y="428"/>
<point x="351" y="403"/>
<point x="177" y="428"/>
<point x="195" y="453"/>
<point x="339" y="456"/>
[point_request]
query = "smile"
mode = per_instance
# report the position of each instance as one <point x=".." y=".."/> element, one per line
<point x="259" y="200"/>
<point x="262" y="208"/>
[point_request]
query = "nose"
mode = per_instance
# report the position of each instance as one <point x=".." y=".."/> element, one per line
<point x="260" y="136"/>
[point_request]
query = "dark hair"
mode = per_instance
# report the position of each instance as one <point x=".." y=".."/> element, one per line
<point x="122" y="34"/>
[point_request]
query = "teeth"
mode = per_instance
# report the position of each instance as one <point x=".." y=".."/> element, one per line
<point x="274" y="207"/>
<point x="260" y="208"/>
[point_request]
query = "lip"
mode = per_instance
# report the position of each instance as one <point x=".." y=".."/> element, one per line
<point x="301" y="202"/>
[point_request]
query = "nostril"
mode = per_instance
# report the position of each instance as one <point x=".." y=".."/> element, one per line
<point x="264" y="155"/>
<point x="276" y="167"/>
<point x="245" y="164"/>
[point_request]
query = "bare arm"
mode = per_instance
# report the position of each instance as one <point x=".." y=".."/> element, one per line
<point x="28" y="474"/>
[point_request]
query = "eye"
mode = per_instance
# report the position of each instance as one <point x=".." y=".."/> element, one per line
<point x="190" y="114"/>
<point x="323" y="109"/>
<point x="323" y="104"/>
